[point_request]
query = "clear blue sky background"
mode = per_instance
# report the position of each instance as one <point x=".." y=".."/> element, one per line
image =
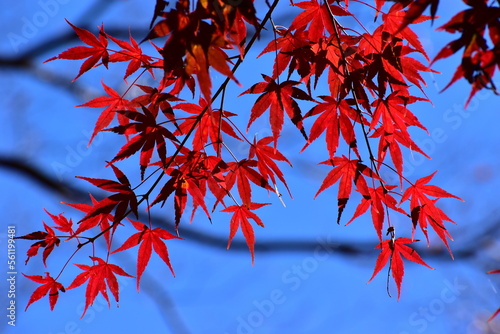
<point x="219" y="291"/>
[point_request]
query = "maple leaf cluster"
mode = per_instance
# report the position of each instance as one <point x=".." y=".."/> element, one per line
<point x="479" y="59"/>
<point x="360" y="88"/>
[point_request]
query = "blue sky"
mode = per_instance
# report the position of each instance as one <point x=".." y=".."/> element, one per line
<point x="217" y="290"/>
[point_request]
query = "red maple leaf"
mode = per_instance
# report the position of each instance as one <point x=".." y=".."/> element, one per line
<point x="424" y="210"/>
<point x="389" y="142"/>
<point x="479" y="62"/>
<point x="240" y="219"/>
<point x="377" y="200"/>
<point x="149" y="134"/>
<point x="100" y="277"/>
<point x="288" y="45"/>
<point x="317" y="16"/>
<point x="278" y="98"/>
<point x="149" y="240"/>
<point x="48" y="240"/>
<point x="196" y="173"/>
<point x="418" y="193"/>
<point x="195" y="170"/>
<point x="393" y="114"/>
<point x="415" y="10"/>
<point x="63" y="224"/>
<point x="132" y="53"/>
<point x="96" y="51"/>
<point x="113" y="103"/>
<point x="157" y="100"/>
<point x="101" y="220"/>
<point x="123" y="198"/>
<point x="194" y="43"/>
<point x="211" y="124"/>
<point x="336" y="117"/>
<point x="396" y="23"/>
<point x="394" y="249"/>
<point x="241" y="173"/>
<point x="266" y="156"/>
<point x="349" y="172"/>
<point x="50" y="287"/>
<point x="181" y="185"/>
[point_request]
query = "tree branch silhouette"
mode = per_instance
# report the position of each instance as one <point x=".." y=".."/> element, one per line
<point x="70" y="192"/>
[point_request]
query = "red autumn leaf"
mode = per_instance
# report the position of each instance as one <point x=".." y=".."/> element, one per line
<point x="156" y="99"/>
<point x="63" y="224"/>
<point x="430" y="214"/>
<point x="49" y="286"/>
<point x="395" y="250"/>
<point x="347" y="172"/>
<point x="278" y="98"/>
<point x="336" y="117"/>
<point x="100" y="277"/>
<point x="238" y="31"/>
<point x="101" y="220"/>
<point x="113" y="103"/>
<point x="96" y="51"/>
<point x="479" y="61"/>
<point x="471" y="23"/>
<point x="181" y="185"/>
<point x="241" y="173"/>
<point x="132" y="53"/>
<point x="317" y="17"/>
<point x="390" y="142"/>
<point x="393" y="114"/>
<point x="194" y="44"/>
<point x="418" y="192"/>
<point x="327" y="55"/>
<point x="410" y="68"/>
<point x="266" y="156"/>
<point x="415" y="10"/>
<point x="286" y="45"/>
<point x="211" y="124"/>
<point x="396" y="23"/>
<point x="197" y="63"/>
<point x="196" y="173"/>
<point x="149" y="135"/>
<point x="240" y="219"/>
<point x="377" y="200"/>
<point x="123" y="198"/>
<point x="149" y="240"/>
<point x="48" y="240"/>
<point x="218" y="59"/>
<point x="424" y="210"/>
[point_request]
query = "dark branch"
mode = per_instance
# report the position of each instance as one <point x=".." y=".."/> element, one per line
<point x="216" y="242"/>
<point x="26" y="58"/>
<point x="20" y="166"/>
